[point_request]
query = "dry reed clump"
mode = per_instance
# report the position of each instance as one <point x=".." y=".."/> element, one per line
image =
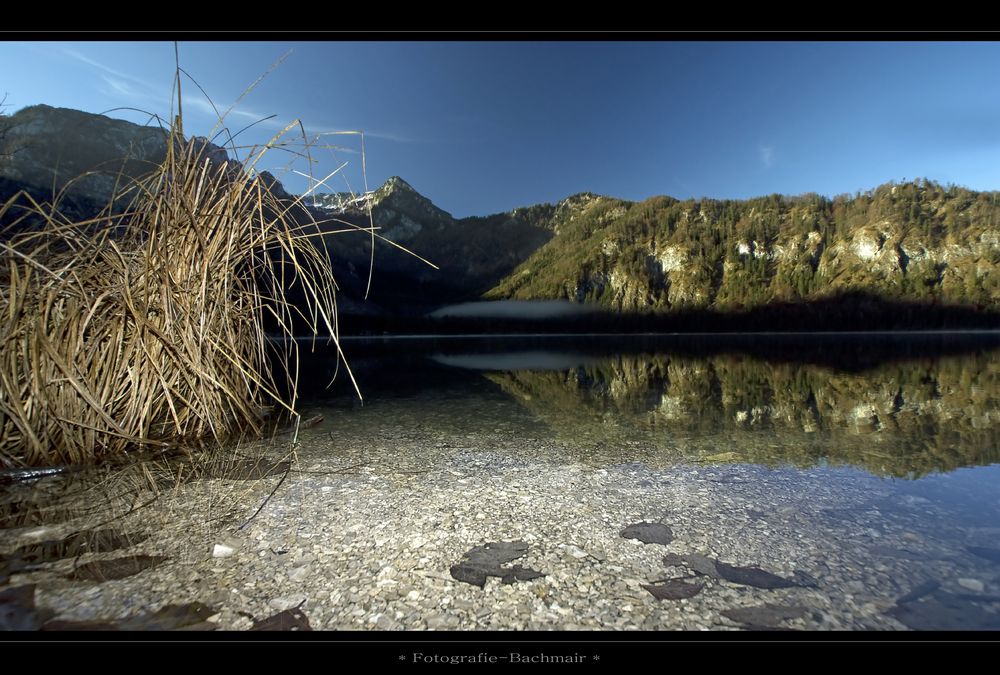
<point x="148" y="328"/>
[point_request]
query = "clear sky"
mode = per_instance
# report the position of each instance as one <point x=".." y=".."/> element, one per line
<point x="485" y="127"/>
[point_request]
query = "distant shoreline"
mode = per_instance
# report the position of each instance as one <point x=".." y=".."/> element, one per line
<point x="484" y="336"/>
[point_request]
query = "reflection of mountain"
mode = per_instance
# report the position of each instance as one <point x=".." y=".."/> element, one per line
<point x="901" y="419"/>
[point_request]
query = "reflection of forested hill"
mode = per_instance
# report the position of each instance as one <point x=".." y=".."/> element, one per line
<point x="904" y="418"/>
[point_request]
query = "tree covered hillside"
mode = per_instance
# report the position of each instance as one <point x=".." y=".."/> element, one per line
<point x="912" y="241"/>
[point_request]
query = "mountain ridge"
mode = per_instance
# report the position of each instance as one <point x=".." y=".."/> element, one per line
<point x="915" y="241"/>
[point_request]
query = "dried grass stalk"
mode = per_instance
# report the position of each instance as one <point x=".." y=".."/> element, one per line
<point x="148" y="328"/>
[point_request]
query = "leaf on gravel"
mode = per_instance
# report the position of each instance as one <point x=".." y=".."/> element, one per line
<point x="674" y="589"/>
<point x="766" y="615"/>
<point x="752" y="576"/>
<point x="697" y="562"/>
<point x="289" y="619"/>
<point x="488" y="560"/>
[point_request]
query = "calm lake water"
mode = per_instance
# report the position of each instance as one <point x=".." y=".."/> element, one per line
<point x="895" y="406"/>
<point x="907" y="426"/>
<point x="861" y="469"/>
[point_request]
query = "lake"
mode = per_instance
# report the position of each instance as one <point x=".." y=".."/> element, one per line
<point x="806" y="482"/>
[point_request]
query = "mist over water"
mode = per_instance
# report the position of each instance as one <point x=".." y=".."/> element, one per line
<point x="515" y="309"/>
<point x="515" y="361"/>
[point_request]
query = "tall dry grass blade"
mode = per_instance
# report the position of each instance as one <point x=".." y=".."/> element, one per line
<point x="155" y="334"/>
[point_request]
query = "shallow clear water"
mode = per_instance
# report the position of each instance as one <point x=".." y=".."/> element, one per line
<point x="893" y="406"/>
<point x="865" y="469"/>
<point x="885" y="447"/>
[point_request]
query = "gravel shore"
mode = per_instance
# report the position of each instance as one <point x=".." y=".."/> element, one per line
<point x="363" y="531"/>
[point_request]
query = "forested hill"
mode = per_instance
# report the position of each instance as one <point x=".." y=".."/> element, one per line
<point x="915" y="241"/>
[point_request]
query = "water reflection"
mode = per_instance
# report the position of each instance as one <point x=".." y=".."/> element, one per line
<point x="904" y="418"/>
<point x="566" y="447"/>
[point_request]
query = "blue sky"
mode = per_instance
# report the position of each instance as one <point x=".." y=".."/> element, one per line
<point x="486" y="127"/>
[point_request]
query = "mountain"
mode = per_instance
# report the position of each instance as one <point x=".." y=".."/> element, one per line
<point x="83" y="159"/>
<point x="908" y="245"/>
<point x="915" y="248"/>
<point x="472" y="254"/>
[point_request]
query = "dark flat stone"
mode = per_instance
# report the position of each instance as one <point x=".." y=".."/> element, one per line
<point x="289" y="619"/>
<point x="674" y="589"/>
<point x="752" y="576"/>
<point x="116" y="568"/>
<point x="697" y="562"/>
<point x="766" y="615"/>
<point x="649" y="533"/>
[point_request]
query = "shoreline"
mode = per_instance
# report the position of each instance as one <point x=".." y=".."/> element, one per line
<point x="362" y="536"/>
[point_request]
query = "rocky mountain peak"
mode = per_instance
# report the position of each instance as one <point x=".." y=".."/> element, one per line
<point x="397" y="183"/>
